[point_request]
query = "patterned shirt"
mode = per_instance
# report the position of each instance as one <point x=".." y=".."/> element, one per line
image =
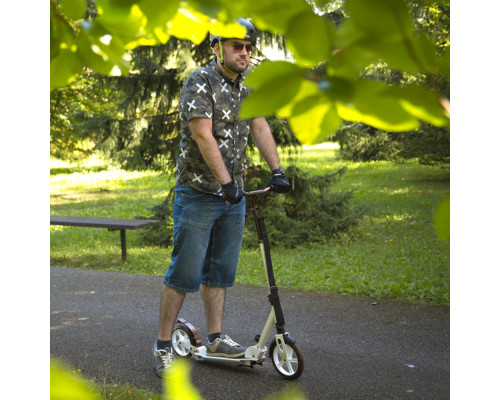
<point x="208" y="93"/>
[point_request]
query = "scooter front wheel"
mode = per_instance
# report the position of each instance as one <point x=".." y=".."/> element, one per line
<point x="287" y="359"/>
<point x="182" y="340"/>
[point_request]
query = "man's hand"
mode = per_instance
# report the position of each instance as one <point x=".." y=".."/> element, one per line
<point x="231" y="193"/>
<point x="278" y="182"/>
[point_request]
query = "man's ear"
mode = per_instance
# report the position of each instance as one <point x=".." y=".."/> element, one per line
<point x="217" y="49"/>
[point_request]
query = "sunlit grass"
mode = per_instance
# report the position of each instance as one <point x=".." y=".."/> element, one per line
<point x="393" y="252"/>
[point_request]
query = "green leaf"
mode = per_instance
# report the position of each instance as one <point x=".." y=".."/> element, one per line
<point x="64" y="68"/>
<point x="188" y="24"/>
<point x="112" y="52"/>
<point x="177" y="383"/>
<point x="265" y="99"/>
<point x="313" y="119"/>
<point x="421" y="103"/>
<point x="383" y="30"/>
<point x="124" y="24"/>
<point x="61" y="33"/>
<point x="394" y="51"/>
<point x="307" y="89"/>
<point x="444" y="63"/>
<point x="267" y="72"/>
<point x="372" y="107"/>
<point x="93" y="56"/>
<point x="74" y="9"/>
<point x="310" y="38"/>
<point x="337" y="88"/>
<point x="158" y="12"/>
<point x="65" y="386"/>
<point x="275" y="15"/>
<point x="191" y="24"/>
<point x="442" y="218"/>
<point x="379" y="18"/>
<point x="228" y="30"/>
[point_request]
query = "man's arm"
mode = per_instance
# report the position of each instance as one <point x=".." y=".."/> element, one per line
<point x="201" y="129"/>
<point x="264" y="140"/>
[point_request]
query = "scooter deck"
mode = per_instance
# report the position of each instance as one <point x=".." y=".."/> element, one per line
<point x="200" y="353"/>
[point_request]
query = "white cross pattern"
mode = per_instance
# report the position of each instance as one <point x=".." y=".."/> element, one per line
<point x="201" y="87"/>
<point x="209" y="115"/>
<point x="228" y="133"/>
<point x="191" y="105"/>
<point x="196" y="178"/>
<point x="223" y="143"/>
<point x="213" y="96"/>
<point x="224" y="87"/>
<point x="203" y="71"/>
<point x="226" y="114"/>
<point x="183" y="153"/>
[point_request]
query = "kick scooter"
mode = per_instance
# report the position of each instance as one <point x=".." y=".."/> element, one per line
<point x="284" y="352"/>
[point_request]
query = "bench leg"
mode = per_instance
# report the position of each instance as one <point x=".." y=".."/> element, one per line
<point x="123" y="240"/>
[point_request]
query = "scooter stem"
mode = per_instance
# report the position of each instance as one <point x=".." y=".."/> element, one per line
<point x="264" y="243"/>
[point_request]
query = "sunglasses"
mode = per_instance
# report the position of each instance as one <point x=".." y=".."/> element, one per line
<point x="237" y="47"/>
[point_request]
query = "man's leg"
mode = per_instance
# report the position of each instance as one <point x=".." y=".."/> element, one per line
<point x="213" y="299"/>
<point x="219" y="273"/>
<point x="170" y="305"/>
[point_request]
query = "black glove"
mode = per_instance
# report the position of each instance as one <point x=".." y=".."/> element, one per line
<point x="232" y="193"/>
<point x="278" y="182"/>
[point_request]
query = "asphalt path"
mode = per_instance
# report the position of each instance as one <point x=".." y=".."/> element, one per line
<point x="105" y="323"/>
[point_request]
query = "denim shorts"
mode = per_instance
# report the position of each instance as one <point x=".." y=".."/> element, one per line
<point x="207" y="240"/>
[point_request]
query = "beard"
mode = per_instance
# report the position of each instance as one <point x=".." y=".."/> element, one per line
<point x="239" y="65"/>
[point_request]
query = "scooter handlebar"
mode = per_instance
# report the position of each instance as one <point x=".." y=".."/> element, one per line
<point x="257" y="192"/>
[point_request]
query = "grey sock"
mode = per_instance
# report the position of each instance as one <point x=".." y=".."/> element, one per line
<point x="163" y="344"/>
<point x="213" y="336"/>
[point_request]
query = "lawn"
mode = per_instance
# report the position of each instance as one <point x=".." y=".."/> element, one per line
<point x="393" y="253"/>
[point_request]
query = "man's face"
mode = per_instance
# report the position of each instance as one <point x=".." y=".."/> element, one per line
<point x="237" y="54"/>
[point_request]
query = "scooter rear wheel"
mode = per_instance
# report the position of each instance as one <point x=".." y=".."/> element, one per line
<point x="287" y="360"/>
<point x="182" y="337"/>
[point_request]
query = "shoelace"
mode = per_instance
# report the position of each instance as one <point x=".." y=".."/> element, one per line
<point x="230" y="341"/>
<point x="166" y="357"/>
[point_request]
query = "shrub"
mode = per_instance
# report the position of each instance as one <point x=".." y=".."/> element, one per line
<point x="310" y="212"/>
<point x="360" y="142"/>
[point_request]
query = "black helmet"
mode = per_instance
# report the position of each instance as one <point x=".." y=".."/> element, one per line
<point x="251" y="33"/>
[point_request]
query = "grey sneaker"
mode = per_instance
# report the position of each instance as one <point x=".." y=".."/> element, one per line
<point x="163" y="359"/>
<point x="225" y="347"/>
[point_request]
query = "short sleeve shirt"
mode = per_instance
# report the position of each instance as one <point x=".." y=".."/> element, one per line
<point x="208" y="93"/>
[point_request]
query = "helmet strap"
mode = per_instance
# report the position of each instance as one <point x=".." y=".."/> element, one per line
<point x="221" y="58"/>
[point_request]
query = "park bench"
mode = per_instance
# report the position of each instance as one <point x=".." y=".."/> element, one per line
<point x="112" y="224"/>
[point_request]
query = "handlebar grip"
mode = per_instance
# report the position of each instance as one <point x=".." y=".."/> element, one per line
<point x="257" y="192"/>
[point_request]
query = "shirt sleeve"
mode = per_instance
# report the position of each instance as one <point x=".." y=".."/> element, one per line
<point x="196" y="99"/>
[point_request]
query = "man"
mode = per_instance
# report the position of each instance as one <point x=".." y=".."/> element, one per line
<point x="209" y="207"/>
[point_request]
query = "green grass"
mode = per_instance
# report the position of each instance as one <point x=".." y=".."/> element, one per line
<point x="393" y="253"/>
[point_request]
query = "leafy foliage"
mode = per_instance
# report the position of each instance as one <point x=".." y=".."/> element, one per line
<point x="314" y="104"/>
<point x="64" y="386"/>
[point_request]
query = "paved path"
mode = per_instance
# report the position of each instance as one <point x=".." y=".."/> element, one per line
<point x="104" y="323"/>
